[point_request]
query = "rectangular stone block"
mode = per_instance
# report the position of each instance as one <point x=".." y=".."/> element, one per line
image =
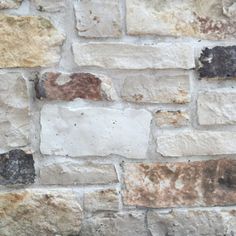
<point x="166" y="185"/>
<point x="196" y="18"/>
<point x="73" y="130"/>
<point x="70" y="173"/>
<point x="98" y="18"/>
<point x="196" y="143"/>
<point x="150" y="88"/>
<point x="131" y="56"/>
<point x="217" y="107"/>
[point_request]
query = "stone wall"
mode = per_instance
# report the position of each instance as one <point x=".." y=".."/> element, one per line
<point x="117" y="118"/>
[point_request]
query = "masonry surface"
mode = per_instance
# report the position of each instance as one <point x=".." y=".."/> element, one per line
<point x="117" y="118"/>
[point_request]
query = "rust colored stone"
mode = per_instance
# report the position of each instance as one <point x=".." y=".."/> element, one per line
<point x="161" y="185"/>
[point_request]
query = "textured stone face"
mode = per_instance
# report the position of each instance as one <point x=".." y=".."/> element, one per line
<point x="192" y="223"/>
<point x="161" y="185"/>
<point x="4" y="4"/>
<point x="153" y="89"/>
<point x="217" y="107"/>
<point x="14" y="112"/>
<point x="196" y="143"/>
<point x="218" y="62"/>
<point x="115" y="224"/>
<point x="39" y="212"/>
<point x="69" y="173"/>
<point x="131" y="56"/>
<point x="197" y="18"/>
<point x="98" y="18"/>
<point x="57" y="86"/>
<point x="49" y="6"/>
<point x="69" y="129"/>
<point x="16" y="167"/>
<point x="32" y="41"/>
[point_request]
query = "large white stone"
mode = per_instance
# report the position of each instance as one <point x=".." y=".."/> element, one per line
<point x="131" y="56"/>
<point x="217" y="107"/>
<point x="195" y="143"/>
<point x="69" y="129"/>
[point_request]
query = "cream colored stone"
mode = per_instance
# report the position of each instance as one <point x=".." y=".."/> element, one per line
<point x="28" y="41"/>
<point x="39" y="212"/>
<point x="98" y="18"/>
<point x="4" y="4"/>
<point x="14" y="112"/>
<point x="49" y="5"/>
<point x="214" y="19"/>
<point x="131" y="56"/>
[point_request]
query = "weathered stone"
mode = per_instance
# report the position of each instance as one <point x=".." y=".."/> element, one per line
<point x="161" y="185"/>
<point x="218" y="62"/>
<point x="217" y="107"/>
<point x="98" y="18"/>
<point x="28" y="41"/>
<point x="58" y="86"/>
<point x="197" y="18"/>
<point x="49" y="6"/>
<point x="70" y="173"/>
<point x="16" y="167"/>
<point x="14" y="112"/>
<point x="171" y="118"/>
<point x="4" y="4"/>
<point x="102" y="200"/>
<point x="192" y="223"/>
<point x="153" y="89"/>
<point x="73" y="130"/>
<point x="115" y="224"/>
<point x="131" y="56"/>
<point x="196" y="143"/>
<point x="39" y="212"/>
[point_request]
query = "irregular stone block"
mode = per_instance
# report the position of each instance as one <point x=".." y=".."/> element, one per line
<point x="70" y="173"/>
<point x="161" y="185"/>
<point x="196" y="18"/>
<point x="49" y="6"/>
<point x="14" y="112"/>
<point x="73" y="130"/>
<point x="131" y="56"/>
<point x="196" y="143"/>
<point x="218" y="62"/>
<point x="171" y="118"/>
<point x="115" y="224"/>
<point x="192" y="222"/>
<point x="217" y="107"/>
<point x="98" y="18"/>
<point x="16" y="167"/>
<point x="5" y="4"/>
<point x="28" y="41"/>
<point x="153" y="89"/>
<point x="58" y="86"/>
<point x="102" y="200"/>
<point x="39" y="212"/>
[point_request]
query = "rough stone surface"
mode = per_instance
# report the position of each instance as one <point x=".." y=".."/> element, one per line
<point x="16" y="167"/>
<point x="58" y="86"/>
<point x="196" y="143"/>
<point x="115" y="224"/>
<point x="5" y="4"/>
<point x="69" y="173"/>
<point x="171" y="118"/>
<point x="161" y="185"/>
<point x="217" y="107"/>
<point x="98" y="18"/>
<point x="69" y="129"/>
<point x="131" y="56"/>
<point x="213" y="19"/>
<point x="192" y="223"/>
<point x="218" y="62"/>
<point x="28" y="41"/>
<point x="102" y="200"/>
<point x="49" y="6"/>
<point x="39" y="212"/>
<point x="153" y="89"/>
<point x="14" y="112"/>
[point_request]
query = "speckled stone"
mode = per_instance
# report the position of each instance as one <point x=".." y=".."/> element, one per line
<point x="6" y="4"/>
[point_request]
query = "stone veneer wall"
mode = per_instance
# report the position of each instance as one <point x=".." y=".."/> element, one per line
<point x="117" y="117"/>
